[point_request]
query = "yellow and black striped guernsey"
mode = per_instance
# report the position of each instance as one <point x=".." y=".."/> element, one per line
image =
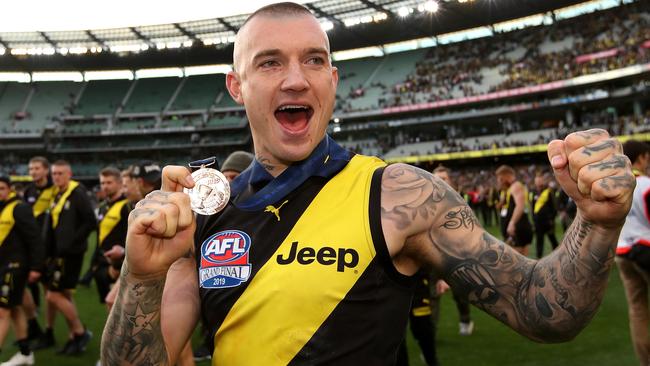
<point x="306" y="279"/>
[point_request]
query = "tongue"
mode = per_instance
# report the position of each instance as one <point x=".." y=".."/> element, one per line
<point x="292" y="121"/>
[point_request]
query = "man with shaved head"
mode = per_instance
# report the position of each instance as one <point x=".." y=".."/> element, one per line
<point x="311" y="261"/>
<point x="72" y="220"/>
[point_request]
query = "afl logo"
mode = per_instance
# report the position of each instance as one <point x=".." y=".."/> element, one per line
<point x="226" y="246"/>
<point x="224" y="259"/>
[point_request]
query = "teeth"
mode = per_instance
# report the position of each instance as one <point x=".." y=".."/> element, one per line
<point x="288" y="107"/>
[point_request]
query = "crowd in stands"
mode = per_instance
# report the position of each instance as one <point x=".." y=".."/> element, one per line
<point x="591" y="43"/>
<point x="622" y="32"/>
<point x="511" y="136"/>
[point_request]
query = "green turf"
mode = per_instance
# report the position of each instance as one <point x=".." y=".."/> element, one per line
<point x="604" y="342"/>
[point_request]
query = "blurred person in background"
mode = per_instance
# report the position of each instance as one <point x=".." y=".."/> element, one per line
<point x="544" y="213"/>
<point x="130" y="187"/>
<point x="633" y="251"/>
<point x="113" y="213"/>
<point x="236" y="163"/>
<point x="147" y="176"/>
<point x="515" y="227"/>
<point x="72" y="220"/>
<point x="39" y="194"/>
<point x="21" y="261"/>
<point x="465" y="324"/>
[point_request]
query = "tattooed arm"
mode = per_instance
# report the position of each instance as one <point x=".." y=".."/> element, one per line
<point x="426" y="223"/>
<point x="157" y="305"/>
<point x="152" y="319"/>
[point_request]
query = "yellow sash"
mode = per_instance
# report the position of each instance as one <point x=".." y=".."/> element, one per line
<point x="43" y="202"/>
<point x="58" y="206"/>
<point x="508" y="195"/>
<point x="541" y="201"/>
<point x="7" y="218"/>
<point x="110" y="220"/>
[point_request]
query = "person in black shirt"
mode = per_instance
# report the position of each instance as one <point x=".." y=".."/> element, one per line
<point x="113" y="217"/>
<point x="72" y="219"/>
<point x="39" y="194"/>
<point x="544" y="213"/>
<point x="21" y="260"/>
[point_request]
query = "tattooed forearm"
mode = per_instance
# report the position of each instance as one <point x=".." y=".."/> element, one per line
<point x="132" y="334"/>
<point x="548" y="300"/>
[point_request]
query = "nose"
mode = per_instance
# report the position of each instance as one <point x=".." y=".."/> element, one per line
<point x="295" y="79"/>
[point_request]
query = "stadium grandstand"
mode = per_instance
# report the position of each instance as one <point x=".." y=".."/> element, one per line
<point x="466" y="84"/>
<point x="417" y="79"/>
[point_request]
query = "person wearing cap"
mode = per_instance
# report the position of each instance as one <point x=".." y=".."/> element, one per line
<point x="311" y="260"/>
<point x="633" y="251"/>
<point x="236" y="163"/>
<point x="147" y="176"/>
<point x="21" y="261"/>
<point x="72" y="219"/>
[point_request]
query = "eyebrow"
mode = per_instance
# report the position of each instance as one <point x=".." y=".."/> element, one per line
<point x="277" y="51"/>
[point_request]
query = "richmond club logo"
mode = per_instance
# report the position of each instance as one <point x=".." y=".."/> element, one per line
<point x="224" y="259"/>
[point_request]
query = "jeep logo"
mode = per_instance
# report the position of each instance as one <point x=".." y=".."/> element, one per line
<point x="326" y="256"/>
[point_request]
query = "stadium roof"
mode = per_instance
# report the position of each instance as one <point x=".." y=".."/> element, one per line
<point x="350" y="24"/>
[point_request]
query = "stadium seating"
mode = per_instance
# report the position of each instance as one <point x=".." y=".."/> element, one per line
<point x="199" y="92"/>
<point x="135" y="124"/>
<point x="102" y="97"/>
<point x="50" y="99"/>
<point x="151" y="95"/>
<point x="12" y="98"/>
<point x="225" y="120"/>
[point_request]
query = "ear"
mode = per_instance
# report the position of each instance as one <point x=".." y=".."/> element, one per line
<point x="233" y="85"/>
<point x="335" y="76"/>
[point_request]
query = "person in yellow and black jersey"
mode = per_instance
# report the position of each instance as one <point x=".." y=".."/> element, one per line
<point x="21" y="260"/>
<point x="72" y="220"/>
<point x="423" y="318"/>
<point x="39" y="194"/>
<point x="113" y="222"/>
<point x="515" y="227"/>
<point x="544" y="212"/>
<point x="311" y="262"/>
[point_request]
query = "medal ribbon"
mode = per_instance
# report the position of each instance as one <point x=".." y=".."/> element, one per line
<point x="325" y="161"/>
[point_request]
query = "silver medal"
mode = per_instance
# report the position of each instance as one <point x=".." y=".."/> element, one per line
<point x="211" y="191"/>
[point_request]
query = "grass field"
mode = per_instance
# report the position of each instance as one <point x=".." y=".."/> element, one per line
<point x="604" y="342"/>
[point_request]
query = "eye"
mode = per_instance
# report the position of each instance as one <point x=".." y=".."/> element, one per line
<point x="316" y="61"/>
<point x="269" y="63"/>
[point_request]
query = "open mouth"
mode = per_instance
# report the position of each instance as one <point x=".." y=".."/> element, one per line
<point x="294" y="117"/>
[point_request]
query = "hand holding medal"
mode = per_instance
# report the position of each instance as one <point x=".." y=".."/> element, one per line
<point x="211" y="191"/>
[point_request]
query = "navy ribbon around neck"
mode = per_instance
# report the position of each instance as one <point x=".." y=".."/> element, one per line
<point x="325" y="161"/>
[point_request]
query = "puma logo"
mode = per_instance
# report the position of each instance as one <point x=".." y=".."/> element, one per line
<point x="275" y="211"/>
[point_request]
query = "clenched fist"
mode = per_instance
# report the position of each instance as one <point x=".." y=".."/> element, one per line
<point x="161" y="227"/>
<point x="592" y="170"/>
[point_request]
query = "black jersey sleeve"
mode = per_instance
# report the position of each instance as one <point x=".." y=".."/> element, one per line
<point x="30" y="235"/>
<point x="87" y="221"/>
